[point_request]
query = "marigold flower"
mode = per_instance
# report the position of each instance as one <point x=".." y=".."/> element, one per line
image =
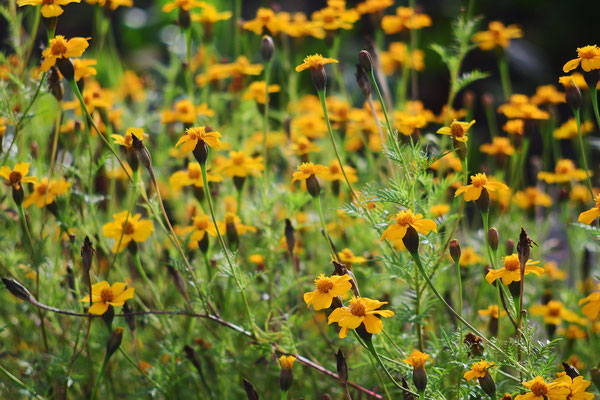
<point x="195" y="134"/>
<point x="103" y="295"/>
<point x="438" y="210"/>
<point x="541" y="390"/>
<point x="335" y="16"/>
<point x="568" y="130"/>
<point x="50" y="8"/>
<point x="497" y="35"/>
<point x="520" y="106"/>
<point x="127" y="140"/>
<point x="405" y="18"/>
<point x="458" y="130"/>
<point x="315" y="62"/>
<point x="334" y="172"/>
<point x="17" y="176"/>
<point x="209" y="16"/>
<point x="84" y="68"/>
<point x="592" y="308"/>
<point x="299" y="26"/>
<point x="469" y="257"/>
<point x="44" y="193"/>
<point x="404" y="219"/>
<point x="417" y="359"/>
<point x="409" y="123"/>
<point x="532" y="196"/>
<point x="478" y="183"/>
<point x="577" y="387"/>
<point x="182" y="4"/>
<point x="192" y="176"/>
<point x="135" y="229"/>
<point x="590" y="215"/>
<point x="554" y="312"/>
<point x="373" y="6"/>
<point x="241" y="165"/>
<point x="59" y="47"/>
<point x="479" y="369"/>
<point x="514" y="127"/>
<point x="201" y="226"/>
<point x="362" y="310"/>
<point x="588" y="56"/>
<point x="266" y="21"/>
<point x="303" y="146"/>
<point x="348" y="258"/>
<point x="564" y="171"/>
<point x="547" y="94"/>
<point x="306" y="170"/>
<point x="327" y="289"/>
<point x="511" y="271"/>
<point x="500" y="146"/>
<point x="491" y="311"/>
<point x="397" y="56"/>
<point x="552" y="271"/>
<point x="256" y="91"/>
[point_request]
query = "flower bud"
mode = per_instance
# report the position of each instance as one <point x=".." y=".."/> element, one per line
<point x="488" y="385"/>
<point x="250" y="391"/>
<point x="483" y="202"/>
<point x="312" y="186"/>
<point x="420" y="378"/>
<point x="573" y="95"/>
<point x="87" y="254"/>
<point x="66" y="68"/>
<point x="267" y="48"/>
<point x="570" y="370"/>
<point x="114" y="341"/>
<point x="365" y="60"/>
<point x="411" y="240"/>
<point x="524" y="247"/>
<point x="455" y="250"/>
<point x="406" y="395"/>
<point x="510" y="246"/>
<point x="142" y="152"/>
<point x="362" y="80"/>
<point x="17" y="289"/>
<point x="201" y="152"/>
<point x="286" y="376"/>
<point x="319" y="78"/>
<point x="474" y="343"/>
<point x="190" y="353"/>
<point x="290" y="238"/>
<point x="493" y="238"/>
<point x="342" y="367"/>
<point x="178" y="281"/>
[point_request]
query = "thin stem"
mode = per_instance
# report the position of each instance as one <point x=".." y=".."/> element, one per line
<point x="504" y="75"/>
<point x="317" y="200"/>
<point x="266" y="117"/>
<point x="577" y="114"/>
<point x="19" y="382"/>
<point x="594" y="96"/>
<point x="34" y="30"/>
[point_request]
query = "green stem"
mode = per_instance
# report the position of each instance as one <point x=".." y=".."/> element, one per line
<point x="266" y="117"/>
<point x="594" y="96"/>
<point x="19" y="382"/>
<point x="577" y="114"/>
<point x="418" y="311"/>
<point x="371" y="348"/>
<point x="504" y="75"/>
<point x="317" y="200"/>
<point x="100" y="374"/>
<point x="36" y="25"/>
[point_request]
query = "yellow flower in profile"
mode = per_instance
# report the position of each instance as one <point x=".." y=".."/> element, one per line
<point x="183" y="111"/>
<point x="547" y="94"/>
<point x="335" y="16"/>
<point x="182" y="5"/>
<point x="409" y="123"/>
<point x="201" y="226"/>
<point x="373" y="6"/>
<point x="327" y="289"/>
<point x="303" y="146"/>
<point x="192" y="176"/>
<point x="590" y="215"/>
<point x="497" y="35"/>
<point x="266" y="21"/>
<point x="478" y="183"/>
<point x="417" y="359"/>
<point x="44" y="193"/>
<point x="84" y="68"/>
<point x="135" y="229"/>
<point x="111" y="4"/>
<point x="577" y="386"/>
<point x="306" y="170"/>
<point x="592" y="308"/>
<point x="299" y="26"/>
<point x="532" y="196"/>
<point x="362" y="310"/>
<point x="234" y="222"/>
<point x="458" y="130"/>
<point x="499" y="147"/>
<point x="514" y="127"/>
<point x="568" y="130"/>
<point x="554" y="312"/>
<point x="50" y="8"/>
<point x="239" y="164"/>
<point x="552" y="271"/>
<point x="588" y="56"/>
<point x="564" y="171"/>
<point x="334" y="172"/>
<point x="104" y="295"/>
<point x="479" y="369"/>
<point x="287" y="362"/>
<point x="127" y="140"/>
<point x="348" y="258"/>
<point x="405" y="18"/>
<point x="59" y="47"/>
<point x="439" y="210"/>
<point x="492" y="311"/>
<point x="511" y="271"/>
<point x="521" y="107"/>
<point x="257" y="91"/>
<point x="468" y="257"/>
<point x="541" y="390"/>
<point x="398" y="56"/>
<point x="209" y="16"/>
<point x="405" y="219"/>
<point x="195" y="134"/>
<point x="315" y="62"/>
<point x="17" y="176"/>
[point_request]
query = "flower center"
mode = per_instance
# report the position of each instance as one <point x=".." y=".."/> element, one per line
<point x="238" y="159"/>
<point x="405" y="219"/>
<point x="129" y="228"/>
<point x="457" y="130"/>
<point x="128" y="140"/>
<point x="202" y="224"/>
<point x="307" y="169"/>
<point x="564" y="167"/>
<point x="588" y="52"/>
<point x="324" y="285"/>
<point x="194" y="173"/>
<point x="511" y="263"/>
<point x="106" y="295"/>
<point x="47" y="2"/>
<point x="41" y="188"/>
<point x="553" y="309"/>
<point x="357" y="308"/>
<point x="15" y="177"/>
<point x="58" y="47"/>
<point x="539" y="388"/>
<point x="479" y="180"/>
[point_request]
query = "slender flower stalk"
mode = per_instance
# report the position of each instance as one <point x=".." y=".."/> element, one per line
<point x="577" y="113"/>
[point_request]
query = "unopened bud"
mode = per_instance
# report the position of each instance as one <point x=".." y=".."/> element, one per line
<point x="178" y="281"/>
<point x="114" y="341"/>
<point x="469" y="99"/>
<point x="286" y="376"/>
<point x="411" y="240"/>
<point x="267" y="48"/>
<point x="190" y="353"/>
<point x="17" y="289"/>
<point x="487" y="100"/>
<point x="488" y="385"/>
<point x="524" y="247"/>
<point x="362" y="80"/>
<point x="455" y="250"/>
<point x="493" y="238"/>
<point x="510" y="246"/>
<point x="290" y="237"/>
<point x="87" y="254"/>
<point x="342" y="366"/>
<point x="571" y="371"/>
<point x="365" y="60"/>
<point x="312" y="186"/>
<point x="250" y="391"/>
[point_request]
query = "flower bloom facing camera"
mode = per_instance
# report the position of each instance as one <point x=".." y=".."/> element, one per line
<point x="587" y="56"/>
<point x="135" y="229"/>
<point x="60" y="47"/>
<point x="195" y="134"/>
<point x="478" y="183"/>
<point x="327" y="289"/>
<point x="104" y="295"/>
<point x="511" y="271"/>
<point x="17" y="176"/>
<point x="362" y="310"/>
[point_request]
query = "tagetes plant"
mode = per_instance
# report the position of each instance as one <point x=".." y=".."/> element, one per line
<point x="105" y="295"/>
<point x="126" y="228"/>
<point x="62" y="48"/>
<point x="587" y="56"/>
<point x="587" y="217"/>
<point x="405" y="219"/>
<point x="326" y="289"/>
<point x="458" y="130"/>
<point x="511" y="270"/>
<point x="17" y="176"/>
<point x="541" y="390"/>
<point x="189" y="141"/>
<point x="479" y="182"/>
<point x="45" y="192"/>
<point x="50" y="8"/>
<point x="362" y="310"/>
<point x="315" y="62"/>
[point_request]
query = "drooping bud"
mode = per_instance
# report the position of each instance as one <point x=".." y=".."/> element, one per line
<point x="250" y="391"/>
<point x="142" y="152"/>
<point x="365" y="60"/>
<point x="286" y="376"/>
<point x="17" y="289"/>
<point x="114" y="341"/>
<point x="411" y="240"/>
<point x="573" y="95"/>
<point x="493" y="238"/>
<point x="290" y="237"/>
<point x="488" y="385"/>
<point x="362" y="80"/>
<point x="267" y="48"/>
<point x="510" y="246"/>
<point x="178" y="281"/>
<point x="87" y="254"/>
<point x="475" y="345"/>
<point x="570" y="370"/>
<point x="342" y="367"/>
<point x="455" y="251"/>
<point x="312" y="186"/>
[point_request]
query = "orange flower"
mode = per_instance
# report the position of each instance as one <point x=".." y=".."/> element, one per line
<point x="59" y="47"/>
<point x="588" y="56"/>
<point x="478" y="183"/>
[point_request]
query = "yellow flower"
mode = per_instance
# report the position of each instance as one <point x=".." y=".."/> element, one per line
<point x="306" y="170"/>
<point x="103" y="295"/>
<point x="135" y="229"/>
<point x="183" y="111"/>
<point x="547" y="94"/>
<point x="417" y="359"/>
<point x="50" y="8"/>
<point x="564" y="171"/>
<point x="335" y="172"/>
<point x="348" y="258"/>
<point x="59" y="47"/>
<point x="112" y="4"/>
<point x="44" y="193"/>
<point x="478" y="183"/>
<point x="127" y="140"/>
<point x="468" y="257"/>
<point x="511" y="271"/>
<point x="500" y="146"/>
<point x="327" y="289"/>
<point x="541" y="390"/>
<point x="234" y="222"/>
<point x="479" y="369"/>
<point x="209" y="16"/>
<point x="303" y="146"/>
<point x="315" y="62"/>
<point x="577" y="387"/>
<point x="458" y="130"/>
<point x="492" y="311"/>
<point x="532" y="196"/>
<point x="552" y="271"/>
<point x="373" y="6"/>
<point x="590" y="215"/>
<point x="287" y="362"/>
<point x="193" y="135"/>
<point x="588" y="56"/>
<point x="498" y="35"/>
<point x="84" y="68"/>
<point x="256" y="91"/>
<point x="182" y="4"/>
<point x="405" y="18"/>
<point x="405" y="219"/>
<point x="514" y="127"/>
<point x="192" y="176"/>
<point x="201" y="226"/>
<point x="438" y="210"/>
<point x="397" y="56"/>
<point x="409" y="123"/>
<point x="266" y="21"/>
<point x="311" y="126"/>
<point x="520" y="106"/>
<point x="362" y="310"/>
<point x="568" y="130"/>
<point x="592" y="308"/>
<point x="335" y="16"/>
<point x="449" y="161"/>
<point x="554" y="312"/>
<point x="241" y="165"/>
<point x="17" y="176"/>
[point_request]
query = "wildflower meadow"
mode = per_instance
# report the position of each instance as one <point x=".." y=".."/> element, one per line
<point x="332" y="199"/>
